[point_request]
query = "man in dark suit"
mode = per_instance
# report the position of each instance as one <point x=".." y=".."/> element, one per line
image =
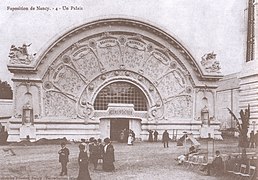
<point x="156" y="136"/>
<point x="217" y="165"/>
<point x="63" y="158"/>
<point x="165" y="138"/>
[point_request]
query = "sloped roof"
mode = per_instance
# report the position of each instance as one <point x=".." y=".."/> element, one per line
<point x="228" y="82"/>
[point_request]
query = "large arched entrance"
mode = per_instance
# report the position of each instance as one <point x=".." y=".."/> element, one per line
<point x="149" y="75"/>
<point x="111" y="98"/>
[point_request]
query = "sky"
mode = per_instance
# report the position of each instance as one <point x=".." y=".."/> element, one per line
<point x="202" y="26"/>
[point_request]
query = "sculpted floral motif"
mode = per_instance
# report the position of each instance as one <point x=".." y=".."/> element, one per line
<point x="91" y="87"/>
<point x="154" y="69"/>
<point x="110" y="57"/>
<point x="173" y="65"/>
<point x="180" y="107"/>
<point x="66" y="59"/>
<point x="56" y="104"/>
<point x="188" y="89"/>
<point x="150" y="47"/>
<point x="86" y="63"/>
<point x="92" y="43"/>
<point x="122" y="39"/>
<point x="171" y="85"/>
<point x="133" y="58"/>
<point x="68" y="80"/>
<point x="47" y="85"/>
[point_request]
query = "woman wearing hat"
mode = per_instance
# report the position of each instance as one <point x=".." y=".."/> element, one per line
<point x="108" y="156"/>
<point x="83" y="164"/>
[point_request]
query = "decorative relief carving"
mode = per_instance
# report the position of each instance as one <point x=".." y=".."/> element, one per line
<point x="30" y="93"/>
<point x="58" y="105"/>
<point x="171" y="84"/>
<point x="156" y="65"/>
<point x="66" y="59"/>
<point x="154" y="69"/>
<point x="179" y="107"/>
<point x="188" y="89"/>
<point x="210" y="63"/>
<point x="173" y="65"/>
<point x="150" y="47"/>
<point x="122" y="40"/>
<point x="78" y="74"/>
<point x="47" y="85"/>
<point x="20" y="55"/>
<point x="161" y="57"/>
<point x="67" y="80"/>
<point x="86" y="110"/>
<point x="134" y="55"/>
<point x="109" y="53"/>
<point x="86" y="62"/>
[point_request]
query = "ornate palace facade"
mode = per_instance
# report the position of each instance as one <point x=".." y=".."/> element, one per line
<point x="111" y="74"/>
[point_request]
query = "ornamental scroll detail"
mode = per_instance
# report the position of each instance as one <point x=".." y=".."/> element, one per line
<point x="74" y="77"/>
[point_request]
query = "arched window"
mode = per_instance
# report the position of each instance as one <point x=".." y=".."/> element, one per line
<point x="123" y="93"/>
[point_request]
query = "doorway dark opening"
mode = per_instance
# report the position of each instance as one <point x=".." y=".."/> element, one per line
<point x="116" y="126"/>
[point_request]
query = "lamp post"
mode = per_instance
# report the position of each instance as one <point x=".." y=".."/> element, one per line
<point x="211" y="145"/>
<point x="185" y="134"/>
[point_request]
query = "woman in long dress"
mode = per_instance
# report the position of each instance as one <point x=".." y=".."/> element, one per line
<point x="83" y="164"/>
<point x="108" y="156"/>
<point x="130" y="139"/>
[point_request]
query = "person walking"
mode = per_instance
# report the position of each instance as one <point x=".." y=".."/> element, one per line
<point x="150" y="139"/>
<point x="165" y="138"/>
<point x="156" y="136"/>
<point x="108" y="156"/>
<point x="256" y="139"/>
<point x="130" y="139"/>
<point x="63" y="158"/>
<point x="252" y="140"/>
<point x="133" y="135"/>
<point x="101" y="150"/>
<point x="83" y="164"/>
<point x="94" y="153"/>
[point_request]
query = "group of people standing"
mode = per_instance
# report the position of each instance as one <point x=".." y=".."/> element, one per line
<point x="253" y="141"/>
<point x="127" y="135"/>
<point x="93" y="151"/>
<point x="165" y="137"/>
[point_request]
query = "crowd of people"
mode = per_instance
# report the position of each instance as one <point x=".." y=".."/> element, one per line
<point x="165" y="137"/>
<point x="92" y="151"/>
<point x="253" y="140"/>
<point x="95" y="152"/>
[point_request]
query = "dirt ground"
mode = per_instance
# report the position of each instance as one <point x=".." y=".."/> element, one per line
<point x="143" y="160"/>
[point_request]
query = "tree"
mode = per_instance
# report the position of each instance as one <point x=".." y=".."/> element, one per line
<point x="5" y="90"/>
<point x="242" y="127"/>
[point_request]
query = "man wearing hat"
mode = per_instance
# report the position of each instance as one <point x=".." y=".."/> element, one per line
<point x="63" y="158"/>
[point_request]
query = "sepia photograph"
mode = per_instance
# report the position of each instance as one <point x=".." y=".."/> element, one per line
<point x="128" y="89"/>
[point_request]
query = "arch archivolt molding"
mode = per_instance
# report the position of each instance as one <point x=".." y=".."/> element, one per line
<point x="74" y="78"/>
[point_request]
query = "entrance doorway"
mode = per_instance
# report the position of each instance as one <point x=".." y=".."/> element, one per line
<point x="116" y="125"/>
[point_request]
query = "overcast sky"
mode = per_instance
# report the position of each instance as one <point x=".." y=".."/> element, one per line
<point x="202" y="26"/>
